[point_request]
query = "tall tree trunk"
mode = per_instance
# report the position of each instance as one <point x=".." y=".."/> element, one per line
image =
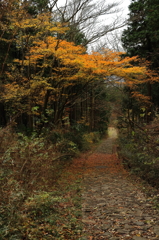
<point x="47" y="95"/>
<point x="3" y="120"/>
<point x="92" y="110"/>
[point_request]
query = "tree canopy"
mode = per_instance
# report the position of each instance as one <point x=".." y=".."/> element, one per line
<point x="142" y="34"/>
<point x="46" y="72"/>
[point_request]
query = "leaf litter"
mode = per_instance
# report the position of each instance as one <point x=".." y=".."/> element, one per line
<point x="114" y="205"/>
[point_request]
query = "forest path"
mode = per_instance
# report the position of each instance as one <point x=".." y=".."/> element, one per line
<point x="114" y="206"/>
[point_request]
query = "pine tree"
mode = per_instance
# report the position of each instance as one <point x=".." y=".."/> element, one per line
<point x="142" y="35"/>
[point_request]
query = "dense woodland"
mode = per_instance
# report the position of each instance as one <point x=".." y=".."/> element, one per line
<point x="47" y="78"/>
<point x="57" y="96"/>
<point x="140" y="144"/>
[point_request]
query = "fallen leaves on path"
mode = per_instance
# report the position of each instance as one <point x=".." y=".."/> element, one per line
<point x="114" y="207"/>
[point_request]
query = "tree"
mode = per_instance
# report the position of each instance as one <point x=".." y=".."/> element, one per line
<point x="50" y="77"/>
<point x="142" y="35"/>
<point x="7" y="52"/>
<point x="141" y="38"/>
<point x="34" y="7"/>
<point x="87" y="16"/>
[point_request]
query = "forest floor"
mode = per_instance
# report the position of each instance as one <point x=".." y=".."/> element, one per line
<point x="114" y="204"/>
<point x="94" y="198"/>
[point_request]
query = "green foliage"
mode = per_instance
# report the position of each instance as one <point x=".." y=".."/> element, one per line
<point x="38" y="200"/>
<point x="103" y="121"/>
<point x="73" y="141"/>
<point x="55" y="136"/>
<point x="141" y="38"/>
<point x="76" y="135"/>
<point x="140" y="155"/>
<point x="92" y="137"/>
<point x="46" y="215"/>
<point x="33" y="203"/>
<point x="68" y="147"/>
<point x="102" y="110"/>
<point x="37" y="6"/>
<point x="75" y="35"/>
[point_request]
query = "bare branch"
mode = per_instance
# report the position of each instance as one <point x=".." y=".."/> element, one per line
<point x="90" y="17"/>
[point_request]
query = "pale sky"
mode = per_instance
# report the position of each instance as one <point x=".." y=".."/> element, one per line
<point x="123" y="15"/>
<point x="124" y="5"/>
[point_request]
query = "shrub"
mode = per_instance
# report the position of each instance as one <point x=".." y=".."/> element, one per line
<point x="140" y="157"/>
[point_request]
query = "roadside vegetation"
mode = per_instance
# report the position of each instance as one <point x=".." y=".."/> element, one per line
<point x="40" y="194"/>
<point x="139" y="151"/>
<point x="40" y="199"/>
<point x="139" y="121"/>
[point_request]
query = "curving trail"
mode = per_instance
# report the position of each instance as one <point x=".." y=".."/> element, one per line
<point x="114" y="206"/>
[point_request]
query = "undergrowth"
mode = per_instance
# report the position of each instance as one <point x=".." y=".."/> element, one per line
<point x="139" y="152"/>
<point x="45" y="215"/>
<point x="39" y="197"/>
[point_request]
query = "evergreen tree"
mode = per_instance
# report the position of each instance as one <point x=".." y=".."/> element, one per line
<point x="142" y="35"/>
<point x="36" y="6"/>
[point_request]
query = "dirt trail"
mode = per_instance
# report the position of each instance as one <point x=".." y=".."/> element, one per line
<point x="114" y="206"/>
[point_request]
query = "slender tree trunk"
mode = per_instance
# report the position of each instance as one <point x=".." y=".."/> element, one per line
<point x="92" y="110"/>
<point x="47" y="95"/>
<point x="3" y="120"/>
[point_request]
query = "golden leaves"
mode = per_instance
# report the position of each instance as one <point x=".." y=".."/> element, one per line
<point x="14" y="92"/>
<point x="51" y="63"/>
